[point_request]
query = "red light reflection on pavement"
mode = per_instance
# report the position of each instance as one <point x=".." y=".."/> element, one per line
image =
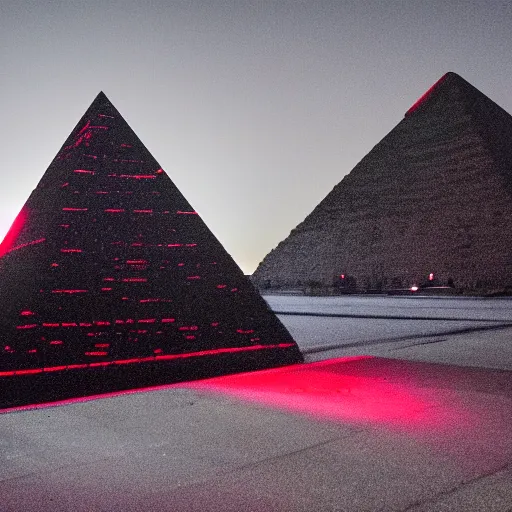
<point x="346" y="389"/>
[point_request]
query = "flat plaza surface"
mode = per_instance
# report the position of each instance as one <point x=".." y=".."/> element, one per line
<point x="376" y="421"/>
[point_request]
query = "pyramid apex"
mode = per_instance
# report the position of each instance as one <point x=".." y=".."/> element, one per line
<point x="448" y="79"/>
<point x="101" y="96"/>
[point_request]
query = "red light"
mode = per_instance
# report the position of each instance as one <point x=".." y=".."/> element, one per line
<point x="425" y="96"/>
<point x="431" y="277"/>
<point x="342" y="276"/>
<point x="74" y="209"/>
<point x="186" y="213"/>
<point x="70" y="291"/>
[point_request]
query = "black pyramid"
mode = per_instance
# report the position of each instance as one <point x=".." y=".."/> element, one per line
<point x="110" y="279"/>
<point x="432" y="197"/>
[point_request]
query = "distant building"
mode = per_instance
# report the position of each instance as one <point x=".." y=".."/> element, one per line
<point x="433" y="196"/>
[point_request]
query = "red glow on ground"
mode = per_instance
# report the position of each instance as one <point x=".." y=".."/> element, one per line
<point x="360" y="390"/>
<point x="422" y="99"/>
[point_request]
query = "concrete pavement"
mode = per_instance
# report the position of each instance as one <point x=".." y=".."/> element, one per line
<point x="411" y="426"/>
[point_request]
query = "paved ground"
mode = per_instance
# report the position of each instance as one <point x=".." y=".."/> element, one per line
<point x="420" y="424"/>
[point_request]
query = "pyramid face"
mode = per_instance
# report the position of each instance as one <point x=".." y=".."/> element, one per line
<point x="111" y="280"/>
<point x="434" y="196"/>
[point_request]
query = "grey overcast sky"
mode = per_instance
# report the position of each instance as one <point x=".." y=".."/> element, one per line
<point x="255" y="109"/>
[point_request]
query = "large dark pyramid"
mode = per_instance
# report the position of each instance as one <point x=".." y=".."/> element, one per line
<point x="434" y="196"/>
<point x="110" y="280"/>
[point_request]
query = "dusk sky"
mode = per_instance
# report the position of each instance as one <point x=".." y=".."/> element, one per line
<point x="255" y="109"/>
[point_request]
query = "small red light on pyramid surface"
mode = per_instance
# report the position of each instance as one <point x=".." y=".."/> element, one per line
<point x="431" y="277"/>
<point x="342" y="276"/>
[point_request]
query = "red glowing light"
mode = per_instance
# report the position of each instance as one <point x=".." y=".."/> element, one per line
<point x="70" y="291"/>
<point x="165" y="357"/>
<point x="74" y="209"/>
<point x="106" y="289"/>
<point x="134" y="280"/>
<point x="26" y="313"/>
<point x="96" y="354"/>
<point x="186" y="213"/>
<point x="431" y="277"/>
<point x="168" y="320"/>
<point x="193" y="277"/>
<point x="142" y="211"/>
<point x="115" y="210"/>
<point x="220" y="286"/>
<point x="70" y="250"/>
<point x="134" y="176"/>
<point x="84" y="171"/>
<point x="422" y="99"/>
<point x="28" y="326"/>
<point x="56" y="342"/>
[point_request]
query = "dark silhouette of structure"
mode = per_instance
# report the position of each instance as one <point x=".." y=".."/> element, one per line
<point x="433" y="197"/>
<point x="110" y="280"/>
